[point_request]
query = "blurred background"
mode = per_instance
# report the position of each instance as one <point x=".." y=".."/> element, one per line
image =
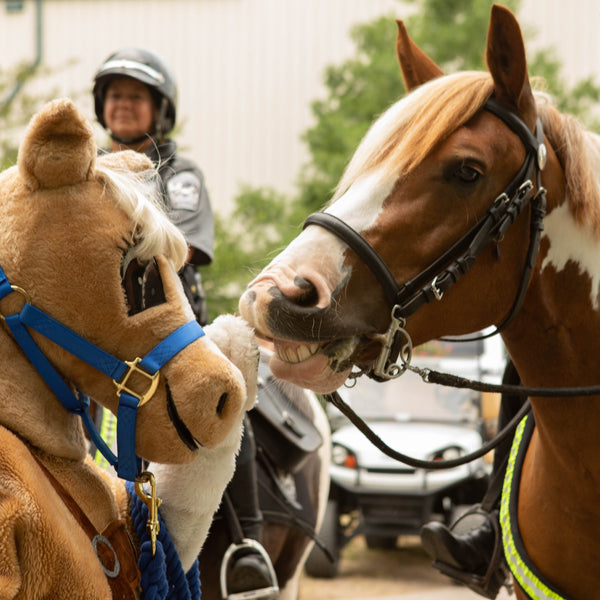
<point x="274" y="95"/>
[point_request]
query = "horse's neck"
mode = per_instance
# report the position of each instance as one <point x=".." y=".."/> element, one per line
<point x="31" y="410"/>
<point x="553" y="342"/>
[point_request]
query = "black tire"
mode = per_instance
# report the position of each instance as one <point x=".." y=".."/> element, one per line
<point x="318" y="563"/>
<point x="380" y="542"/>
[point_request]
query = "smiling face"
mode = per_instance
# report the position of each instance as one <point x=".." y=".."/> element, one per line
<point x="129" y="110"/>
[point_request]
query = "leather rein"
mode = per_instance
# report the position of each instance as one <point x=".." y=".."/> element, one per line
<point x="431" y="284"/>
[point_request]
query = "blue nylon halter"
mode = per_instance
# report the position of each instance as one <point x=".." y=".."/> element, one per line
<point x="127" y="464"/>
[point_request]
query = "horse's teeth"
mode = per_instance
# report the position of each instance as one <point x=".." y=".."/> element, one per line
<point x="304" y="352"/>
<point x="298" y="354"/>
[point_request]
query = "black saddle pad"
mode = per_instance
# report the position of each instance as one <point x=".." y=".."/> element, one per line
<point x="287" y="436"/>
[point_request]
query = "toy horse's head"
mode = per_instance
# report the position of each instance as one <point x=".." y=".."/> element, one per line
<point x="84" y="241"/>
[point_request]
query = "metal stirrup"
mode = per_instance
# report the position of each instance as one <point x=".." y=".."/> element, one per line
<point x="271" y="591"/>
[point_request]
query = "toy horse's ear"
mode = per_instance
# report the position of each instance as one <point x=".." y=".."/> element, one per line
<point x="506" y="61"/>
<point x="58" y="148"/>
<point x="417" y="67"/>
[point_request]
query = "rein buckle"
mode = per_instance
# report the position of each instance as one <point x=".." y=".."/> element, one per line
<point x="133" y="368"/>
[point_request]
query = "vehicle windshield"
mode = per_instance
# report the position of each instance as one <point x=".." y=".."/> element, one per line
<point x="409" y="398"/>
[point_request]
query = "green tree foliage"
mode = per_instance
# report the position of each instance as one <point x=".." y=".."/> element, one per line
<point x="17" y="106"/>
<point x="453" y="33"/>
<point x="246" y="240"/>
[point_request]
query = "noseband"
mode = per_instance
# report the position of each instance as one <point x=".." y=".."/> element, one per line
<point x="431" y="283"/>
<point x="127" y="464"/>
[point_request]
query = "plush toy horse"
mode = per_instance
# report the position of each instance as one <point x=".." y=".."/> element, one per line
<point x="91" y="306"/>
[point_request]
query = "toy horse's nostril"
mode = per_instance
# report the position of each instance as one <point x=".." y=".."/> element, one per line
<point x="221" y="404"/>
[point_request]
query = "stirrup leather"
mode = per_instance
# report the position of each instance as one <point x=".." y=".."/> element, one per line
<point x="271" y="591"/>
<point x="497" y="573"/>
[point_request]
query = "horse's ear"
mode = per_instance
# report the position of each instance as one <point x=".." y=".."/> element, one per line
<point x="58" y="148"/>
<point x="506" y="61"/>
<point x="417" y="67"/>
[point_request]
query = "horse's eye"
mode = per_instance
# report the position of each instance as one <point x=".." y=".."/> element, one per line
<point x="142" y="286"/>
<point x="467" y="174"/>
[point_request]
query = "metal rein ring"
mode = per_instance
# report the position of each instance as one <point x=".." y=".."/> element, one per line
<point x="18" y="290"/>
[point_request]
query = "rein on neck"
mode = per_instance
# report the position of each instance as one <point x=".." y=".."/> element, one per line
<point x="432" y="283"/>
<point x="127" y="464"/>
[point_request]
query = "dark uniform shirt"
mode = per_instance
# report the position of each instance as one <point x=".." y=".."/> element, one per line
<point x="186" y="199"/>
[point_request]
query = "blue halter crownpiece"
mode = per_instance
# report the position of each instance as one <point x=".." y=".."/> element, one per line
<point x="127" y="464"/>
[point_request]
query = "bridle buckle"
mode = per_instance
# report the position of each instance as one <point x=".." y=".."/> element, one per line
<point x="439" y="294"/>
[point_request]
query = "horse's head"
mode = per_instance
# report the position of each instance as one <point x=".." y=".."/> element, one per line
<point x="424" y="176"/>
<point x="84" y="241"/>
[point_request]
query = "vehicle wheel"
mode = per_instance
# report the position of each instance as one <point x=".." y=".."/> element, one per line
<point x="380" y="542"/>
<point x="318" y="563"/>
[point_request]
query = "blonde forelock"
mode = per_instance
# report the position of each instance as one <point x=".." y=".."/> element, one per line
<point x="152" y="231"/>
<point x="409" y="130"/>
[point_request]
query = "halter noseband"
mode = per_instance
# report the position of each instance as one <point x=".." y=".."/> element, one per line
<point x="446" y="270"/>
<point x="128" y="465"/>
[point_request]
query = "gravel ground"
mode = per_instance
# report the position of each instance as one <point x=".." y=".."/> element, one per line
<point x="404" y="573"/>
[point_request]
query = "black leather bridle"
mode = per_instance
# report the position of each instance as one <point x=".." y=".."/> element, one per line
<point x="431" y="283"/>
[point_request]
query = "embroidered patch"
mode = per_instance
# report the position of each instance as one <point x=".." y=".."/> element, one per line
<point x="184" y="191"/>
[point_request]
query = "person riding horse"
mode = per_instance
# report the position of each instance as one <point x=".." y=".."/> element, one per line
<point x="135" y="98"/>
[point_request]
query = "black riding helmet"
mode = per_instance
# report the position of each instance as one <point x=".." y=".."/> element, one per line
<point x="150" y="69"/>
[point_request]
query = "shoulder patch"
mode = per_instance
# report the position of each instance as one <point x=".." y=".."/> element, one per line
<point x="184" y="191"/>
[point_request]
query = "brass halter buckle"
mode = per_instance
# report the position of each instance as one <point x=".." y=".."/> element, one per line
<point x="133" y="368"/>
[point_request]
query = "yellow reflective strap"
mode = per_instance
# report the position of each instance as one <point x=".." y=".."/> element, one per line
<point x="529" y="582"/>
<point x="108" y="432"/>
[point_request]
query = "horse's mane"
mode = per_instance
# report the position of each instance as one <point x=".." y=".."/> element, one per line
<point x="152" y="232"/>
<point x="410" y="129"/>
<point x="578" y="151"/>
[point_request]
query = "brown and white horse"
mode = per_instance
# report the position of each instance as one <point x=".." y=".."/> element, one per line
<point x="438" y="164"/>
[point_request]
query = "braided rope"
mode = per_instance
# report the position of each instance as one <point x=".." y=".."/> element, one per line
<point x="162" y="575"/>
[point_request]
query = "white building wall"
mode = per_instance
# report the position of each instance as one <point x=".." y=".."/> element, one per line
<point x="247" y="69"/>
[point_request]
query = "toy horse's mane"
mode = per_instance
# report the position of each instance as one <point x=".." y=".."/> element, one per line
<point x="152" y="232"/>
<point x="411" y="128"/>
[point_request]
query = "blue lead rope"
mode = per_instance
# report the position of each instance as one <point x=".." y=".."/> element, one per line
<point x="162" y="574"/>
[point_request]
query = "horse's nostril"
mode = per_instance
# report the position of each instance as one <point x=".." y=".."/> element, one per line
<point x="221" y="404"/>
<point x="309" y="295"/>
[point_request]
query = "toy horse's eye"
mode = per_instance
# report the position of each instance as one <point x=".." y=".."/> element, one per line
<point x="142" y="286"/>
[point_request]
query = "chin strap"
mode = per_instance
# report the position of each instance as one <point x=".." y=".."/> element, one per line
<point x="129" y="141"/>
<point x="127" y="464"/>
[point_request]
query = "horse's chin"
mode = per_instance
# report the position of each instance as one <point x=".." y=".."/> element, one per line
<point x="314" y="373"/>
